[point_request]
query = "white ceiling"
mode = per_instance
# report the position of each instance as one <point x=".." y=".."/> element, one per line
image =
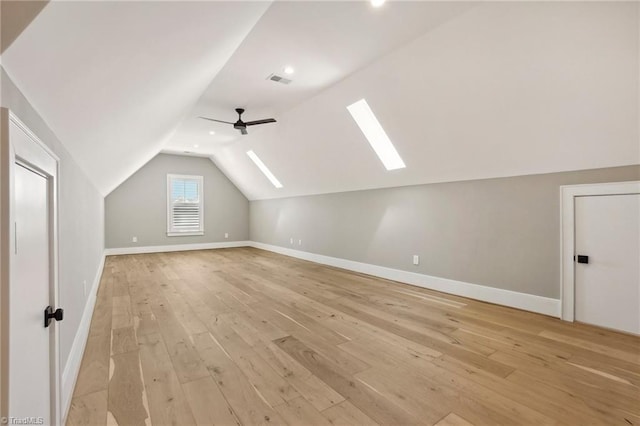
<point x="463" y="91"/>
<point x="504" y="89"/>
<point x="324" y="41"/>
<point x="114" y="79"/>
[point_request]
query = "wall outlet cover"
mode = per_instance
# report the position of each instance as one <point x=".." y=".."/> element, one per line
<point x="226" y="235"/>
<point x="134" y="239"/>
<point x="416" y="259"/>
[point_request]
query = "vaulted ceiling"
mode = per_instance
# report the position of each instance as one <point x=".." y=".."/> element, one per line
<point x="114" y="79"/>
<point x="464" y="90"/>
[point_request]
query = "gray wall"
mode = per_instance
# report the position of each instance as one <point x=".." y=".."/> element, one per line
<point x="138" y="207"/>
<point x="502" y="233"/>
<point x="81" y="219"/>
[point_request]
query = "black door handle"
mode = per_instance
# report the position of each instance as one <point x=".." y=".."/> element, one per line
<point x="49" y="314"/>
<point x="583" y="259"/>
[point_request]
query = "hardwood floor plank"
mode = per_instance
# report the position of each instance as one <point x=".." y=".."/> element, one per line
<point x="346" y="414"/>
<point x="318" y="393"/>
<point x="167" y="403"/>
<point x="373" y="403"/>
<point x="122" y="316"/>
<point x="94" y="371"/>
<point x="601" y="397"/>
<point x="126" y="390"/>
<point x="299" y="411"/>
<point x="186" y="362"/>
<point x="450" y="348"/>
<point x="88" y="409"/>
<point x="633" y="357"/>
<point x="542" y="402"/>
<point x="452" y="419"/>
<point x="247" y="402"/>
<point x="271" y="386"/>
<point x="208" y="404"/>
<point x="345" y="361"/>
<point x="123" y="340"/>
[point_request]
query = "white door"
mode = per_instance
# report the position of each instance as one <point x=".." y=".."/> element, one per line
<point x="607" y="288"/>
<point x="29" y="340"/>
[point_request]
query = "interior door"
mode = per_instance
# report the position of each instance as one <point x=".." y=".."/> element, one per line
<point x="29" y="340"/>
<point x="607" y="282"/>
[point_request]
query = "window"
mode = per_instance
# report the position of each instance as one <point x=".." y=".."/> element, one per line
<point x="376" y="135"/>
<point x="185" y="205"/>
<point x="264" y="169"/>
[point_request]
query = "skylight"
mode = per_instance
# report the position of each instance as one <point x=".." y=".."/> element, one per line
<point x="376" y="135"/>
<point x="264" y="169"/>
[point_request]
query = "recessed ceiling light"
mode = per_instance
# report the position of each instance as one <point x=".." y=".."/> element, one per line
<point x="212" y="132"/>
<point x="196" y="146"/>
<point x="377" y="3"/>
<point x="263" y="168"/>
<point x="376" y="135"/>
<point x="289" y="70"/>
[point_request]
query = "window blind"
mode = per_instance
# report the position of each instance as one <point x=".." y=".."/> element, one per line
<point x="185" y="204"/>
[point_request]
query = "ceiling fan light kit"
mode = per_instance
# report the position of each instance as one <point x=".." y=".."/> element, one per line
<point x="242" y="125"/>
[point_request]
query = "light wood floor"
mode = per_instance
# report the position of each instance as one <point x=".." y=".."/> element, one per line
<point x="244" y="336"/>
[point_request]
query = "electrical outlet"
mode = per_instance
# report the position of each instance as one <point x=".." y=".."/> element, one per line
<point x="134" y="239"/>
<point x="226" y="235"/>
<point x="299" y="242"/>
<point x="416" y="259"/>
<point x="291" y="240"/>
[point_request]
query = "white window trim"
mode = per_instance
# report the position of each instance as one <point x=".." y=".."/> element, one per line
<point x="173" y="233"/>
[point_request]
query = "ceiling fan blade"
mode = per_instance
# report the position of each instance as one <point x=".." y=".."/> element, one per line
<point x="219" y="121"/>
<point x="265" y="121"/>
<point x="244" y="131"/>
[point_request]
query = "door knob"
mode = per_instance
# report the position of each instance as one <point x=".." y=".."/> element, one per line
<point x="49" y="314"/>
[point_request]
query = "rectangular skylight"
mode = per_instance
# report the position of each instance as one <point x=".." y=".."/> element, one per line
<point x="264" y="169"/>
<point x="376" y="135"/>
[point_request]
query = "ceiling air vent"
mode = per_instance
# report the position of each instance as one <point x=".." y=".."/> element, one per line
<point x="278" y="78"/>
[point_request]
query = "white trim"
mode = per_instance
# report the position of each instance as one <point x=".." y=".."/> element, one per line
<point x="72" y="367"/>
<point x="15" y="120"/>
<point x="175" y="247"/>
<point x="568" y="193"/>
<point x="176" y="232"/>
<point x="33" y="154"/>
<point x="527" y="302"/>
<point x="185" y="234"/>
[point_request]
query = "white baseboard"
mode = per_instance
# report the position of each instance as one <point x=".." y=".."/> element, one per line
<point x="72" y="367"/>
<point x="175" y="247"/>
<point x="524" y="301"/>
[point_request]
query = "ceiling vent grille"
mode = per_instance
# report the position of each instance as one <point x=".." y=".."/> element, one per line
<point x="278" y="79"/>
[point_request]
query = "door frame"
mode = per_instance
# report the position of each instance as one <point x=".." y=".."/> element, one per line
<point x="568" y="194"/>
<point x="32" y="153"/>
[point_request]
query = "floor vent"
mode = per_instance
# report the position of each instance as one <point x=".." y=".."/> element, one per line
<point x="278" y="79"/>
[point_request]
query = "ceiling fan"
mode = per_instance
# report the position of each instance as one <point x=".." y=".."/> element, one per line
<point x="241" y="125"/>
